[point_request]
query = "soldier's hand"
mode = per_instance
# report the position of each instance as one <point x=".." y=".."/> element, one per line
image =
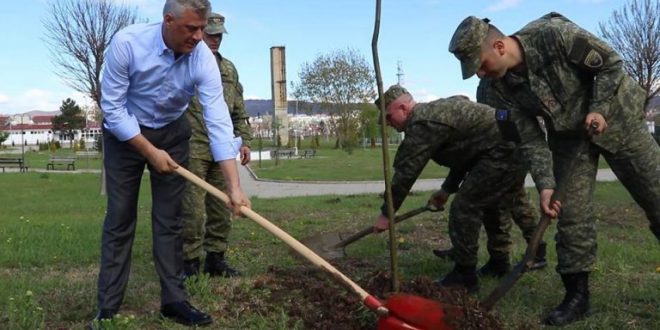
<point x="245" y="155"/>
<point x="595" y="123"/>
<point x="382" y="223"/>
<point x="551" y="209"/>
<point x="439" y="199"/>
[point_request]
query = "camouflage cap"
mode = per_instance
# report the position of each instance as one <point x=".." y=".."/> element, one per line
<point x="466" y="43"/>
<point x="391" y="94"/>
<point x="215" y="24"/>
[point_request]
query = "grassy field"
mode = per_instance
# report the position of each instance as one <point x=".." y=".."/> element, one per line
<point x="39" y="159"/>
<point x="49" y="250"/>
<point x="329" y="164"/>
<point x="335" y="165"/>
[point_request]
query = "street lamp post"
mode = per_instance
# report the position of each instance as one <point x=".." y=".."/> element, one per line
<point x="22" y="141"/>
<point x="295" y="130"/>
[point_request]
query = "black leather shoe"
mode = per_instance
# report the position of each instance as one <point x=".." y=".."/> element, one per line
<point x="184" y="313"/>
<point x="104" y="314"/>
<point x="191" y="267"/>
<point x="216" y="265"/>
<point x="444" y="254"/>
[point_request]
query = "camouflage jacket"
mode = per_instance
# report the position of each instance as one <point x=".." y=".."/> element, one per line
<point x="453" y="132"/>
<point x="568" y="73"/>
<point x="233" y="93"/>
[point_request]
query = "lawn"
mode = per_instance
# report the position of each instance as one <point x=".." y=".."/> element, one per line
<point x="329" y="164"/>
<point x="335" y="165"/>
<point x="49" y="250"/>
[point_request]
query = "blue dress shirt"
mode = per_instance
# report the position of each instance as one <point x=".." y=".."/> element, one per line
<point x="143" y="84"/>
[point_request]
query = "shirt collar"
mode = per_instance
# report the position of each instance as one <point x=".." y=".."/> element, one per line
<point x="159" y="42"/>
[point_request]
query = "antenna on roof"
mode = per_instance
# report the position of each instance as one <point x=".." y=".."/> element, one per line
<point x="399" y="73"/>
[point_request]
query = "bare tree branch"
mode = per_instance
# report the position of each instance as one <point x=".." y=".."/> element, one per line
<point x="634" y="32"/>
<point x="78" y="33"/>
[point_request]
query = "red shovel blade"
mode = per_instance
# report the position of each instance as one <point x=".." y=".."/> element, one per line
<point x="414" y="312"/>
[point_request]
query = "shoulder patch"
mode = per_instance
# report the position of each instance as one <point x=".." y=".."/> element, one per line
<point x="593" y="59"/>
<point x="587" y="55"/>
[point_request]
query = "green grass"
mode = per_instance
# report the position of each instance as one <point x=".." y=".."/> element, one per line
<point x="50" y="227"/>
<point x="363" y="164"/>
<point x="335" y="165"/>
<point x="39" y="159"/>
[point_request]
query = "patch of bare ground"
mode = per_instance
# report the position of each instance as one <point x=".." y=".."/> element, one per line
<point x="309" y="295"/>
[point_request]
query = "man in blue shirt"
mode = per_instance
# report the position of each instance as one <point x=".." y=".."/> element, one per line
<point x="151" y="73"/>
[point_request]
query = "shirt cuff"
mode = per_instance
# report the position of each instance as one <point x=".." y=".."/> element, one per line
<point x="226" y="150"/>
<point x="124" y="130"/>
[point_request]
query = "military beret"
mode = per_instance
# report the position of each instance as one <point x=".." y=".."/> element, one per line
<point x="466" y="43"/>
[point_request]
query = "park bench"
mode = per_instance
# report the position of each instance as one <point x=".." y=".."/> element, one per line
<point x="281" y="153"/>
<point x="13" y="162"/>
<point x="87" y="154"/>
<point x="69" y="161"/>
<point x="309" y="153"/>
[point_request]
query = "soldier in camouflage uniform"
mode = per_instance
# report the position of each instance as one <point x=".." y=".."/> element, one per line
<point x="523" y="213"/>
<point x="207" y="220"/>
<point x="463" y="136"/>
<point x="555" y="69"/>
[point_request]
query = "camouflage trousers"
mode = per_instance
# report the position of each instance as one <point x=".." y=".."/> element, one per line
<point x="485" y="196"/>
<point x="523" y="213"/>
<point x="206" y="219"/>
<point x="636" y="165"/>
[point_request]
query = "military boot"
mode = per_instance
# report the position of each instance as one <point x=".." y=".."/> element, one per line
<point x="575" y="305"/>
<point x="191" y="267"/>
<point x="461" y="276"/>
<point x="216" y="265"/>
<point x="495" y="267"/>
<point x="539" y="261"/>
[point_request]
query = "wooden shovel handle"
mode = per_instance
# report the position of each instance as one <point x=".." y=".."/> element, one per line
<point x="369" y="230"/>
<point x="290" y="241"/>
<point x="524" y="265"/>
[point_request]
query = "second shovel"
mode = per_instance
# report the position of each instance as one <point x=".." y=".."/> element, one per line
<point x="331" y="245"/>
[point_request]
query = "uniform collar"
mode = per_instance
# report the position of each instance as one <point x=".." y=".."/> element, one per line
<point x="533" y="59"/>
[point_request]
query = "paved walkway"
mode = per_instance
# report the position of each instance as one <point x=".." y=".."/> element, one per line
<point x="271" y="189"/>
<point x="255" y="187"/>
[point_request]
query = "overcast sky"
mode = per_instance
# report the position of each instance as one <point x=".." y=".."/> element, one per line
<point x="414" y="33"/>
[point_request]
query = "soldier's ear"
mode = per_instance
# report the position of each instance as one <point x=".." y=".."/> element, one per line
<point x="499" y="47"/>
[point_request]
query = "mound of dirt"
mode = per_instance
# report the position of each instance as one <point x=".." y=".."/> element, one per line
<point x="310" y="296"/>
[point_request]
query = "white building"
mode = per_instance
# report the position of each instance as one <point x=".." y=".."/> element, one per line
<point x="33" y="130"/>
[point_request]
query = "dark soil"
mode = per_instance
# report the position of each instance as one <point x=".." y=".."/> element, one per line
<point x="309" y="295"/>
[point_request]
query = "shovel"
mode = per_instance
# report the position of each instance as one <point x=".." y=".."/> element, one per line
<point x="528" y="260"/>
<point x="331" y="245"/>
<point x="401" y="311"/>
<point x="523" y="266"/>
